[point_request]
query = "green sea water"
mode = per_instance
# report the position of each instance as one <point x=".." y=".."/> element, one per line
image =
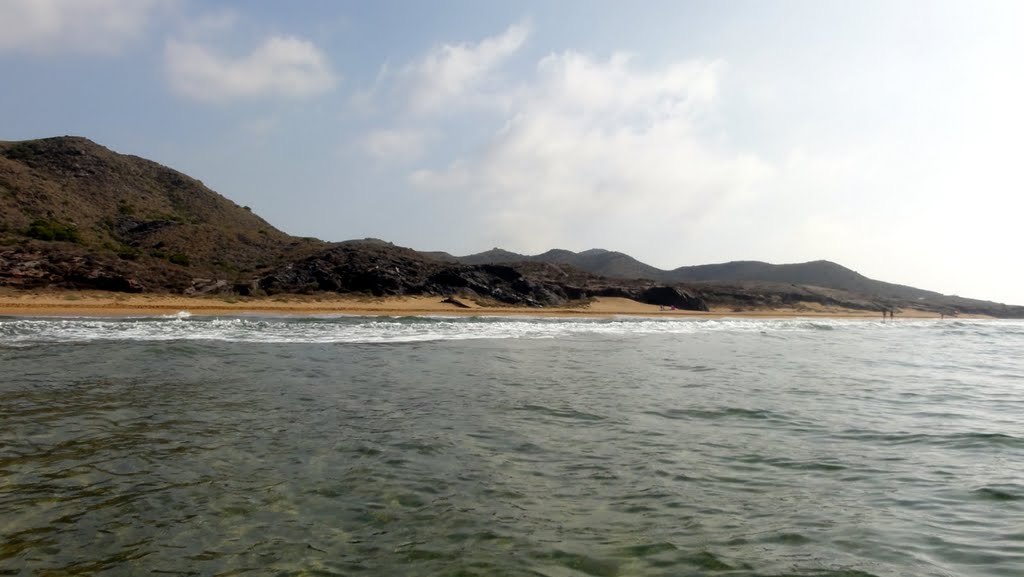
<point x="489" y="447"/>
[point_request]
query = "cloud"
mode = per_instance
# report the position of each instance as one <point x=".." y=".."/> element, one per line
<point x="281" y="66"/>
<point x="592" y="151"/>
<point x="92" y="26"/>
<point x="261" y="126"/>
<point x="577" y="84"/>
<point x="211" y="23"/>
<point x="395" y="146"/>
<point x="451" y="71"/>
<point x="448" y="77"/>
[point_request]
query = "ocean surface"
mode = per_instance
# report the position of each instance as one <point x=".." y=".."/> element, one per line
<point x="489" y="447"/>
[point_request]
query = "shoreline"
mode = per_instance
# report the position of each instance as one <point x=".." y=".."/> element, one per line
<point x="103" y="304"/>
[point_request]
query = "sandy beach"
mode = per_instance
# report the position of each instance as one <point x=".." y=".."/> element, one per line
<point x="96" y="303"/>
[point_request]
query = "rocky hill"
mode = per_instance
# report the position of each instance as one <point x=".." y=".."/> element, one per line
<point x="607" y="263"/>
<point x="595" y="261"/>
<point x="74" y="214"/>
<point x="744" y="284"/>
<point x="821" y="273"/>
<point x="67" y="199"/>
<point x="378" y="268"/>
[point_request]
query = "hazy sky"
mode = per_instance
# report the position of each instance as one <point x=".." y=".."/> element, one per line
<point x="885" y="136"/>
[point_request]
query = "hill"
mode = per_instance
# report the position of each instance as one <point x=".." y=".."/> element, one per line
<point x="595" y="261"/>
<point x="746" y="283"/>
<point x="74" y="214"/>
<point x="820" y="273"/>
<point x="156" y="222"/>
<point x="611" y="264"/>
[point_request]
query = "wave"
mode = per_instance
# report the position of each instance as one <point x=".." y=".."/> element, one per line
<point x="1001" y="493"/>
<point x="960" y="440"/>
<point x="16" y="331"/>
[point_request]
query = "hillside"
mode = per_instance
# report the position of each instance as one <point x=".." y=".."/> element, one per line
<point x="618" y="265"/>
<point x="595" y="261"/>
<point x="157" y="221"/>
<point x="611" y="264"/>
<point x="76" y="215"/>
<point x="753" y="283"/>
<point x="821" y="273"/>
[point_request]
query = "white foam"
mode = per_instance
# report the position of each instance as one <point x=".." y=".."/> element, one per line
<point x="183" y="326"/>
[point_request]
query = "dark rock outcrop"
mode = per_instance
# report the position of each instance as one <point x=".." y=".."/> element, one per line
<point x="381" y="269"/>
<point x="204" y="286"/>
<point x="351" y="268"/>
<point x="672" y="297"/>
<point x="391" y="271"/>
<point x="30" y="268"/>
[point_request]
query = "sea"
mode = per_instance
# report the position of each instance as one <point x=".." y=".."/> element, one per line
<point x="335" y="445"/>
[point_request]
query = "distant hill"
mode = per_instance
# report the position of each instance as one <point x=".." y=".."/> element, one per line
<point x="493" y="256"/>
<point x="595" y="261"/>
<point x="76" y="215"/>
<point x="749" y="277"/>
<point x="820" y="273"/>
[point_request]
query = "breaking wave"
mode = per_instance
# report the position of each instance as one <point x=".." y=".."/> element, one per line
<point x="15" y="331"/>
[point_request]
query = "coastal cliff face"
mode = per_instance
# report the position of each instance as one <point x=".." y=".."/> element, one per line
<point x="75" y="215"/>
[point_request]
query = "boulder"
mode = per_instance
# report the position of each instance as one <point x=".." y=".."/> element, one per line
<point x="456" y="302"/>
<point x="672" y="297"/>
<point x="202" y="286"/>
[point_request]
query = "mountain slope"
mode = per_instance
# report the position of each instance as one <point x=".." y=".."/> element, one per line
<point x="74" y="214"/>
<point x="595" y="261"/>
<point x="821" y="273"/>
<point x="611" y="264"/>
<point x="493" y="256"/>
<point x="754" y="283"/>
<point x="161" y="222"/>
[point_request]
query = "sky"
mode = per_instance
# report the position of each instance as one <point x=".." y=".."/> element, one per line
<point x="881" y="135"/>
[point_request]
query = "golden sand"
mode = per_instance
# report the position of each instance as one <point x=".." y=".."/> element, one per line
<point x="96" y="303"/>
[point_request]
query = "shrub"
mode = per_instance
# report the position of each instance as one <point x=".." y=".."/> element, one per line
<point x="53" y="230"/>
<point x="128" y="253"/>
<point x="20" y="151"/>
<point x="179" y="258"/>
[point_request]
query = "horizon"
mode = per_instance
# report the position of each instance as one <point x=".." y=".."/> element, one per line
<point x="877" y="136"/>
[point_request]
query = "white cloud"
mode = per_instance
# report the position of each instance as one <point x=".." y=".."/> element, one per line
<point x="395" y="146"/>
<point x="569" y="81"/>
<point x="597" y="150"/>
<point x="610" y="152"/>
<point x="280" y="66"/>
<point x="261" y="126"/>
<point x="212" y="23"/>
<point x="451" y="71"/>
<point x="95" y="26"/>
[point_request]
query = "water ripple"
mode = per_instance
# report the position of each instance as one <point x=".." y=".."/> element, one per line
<point x="187" y="446"/>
